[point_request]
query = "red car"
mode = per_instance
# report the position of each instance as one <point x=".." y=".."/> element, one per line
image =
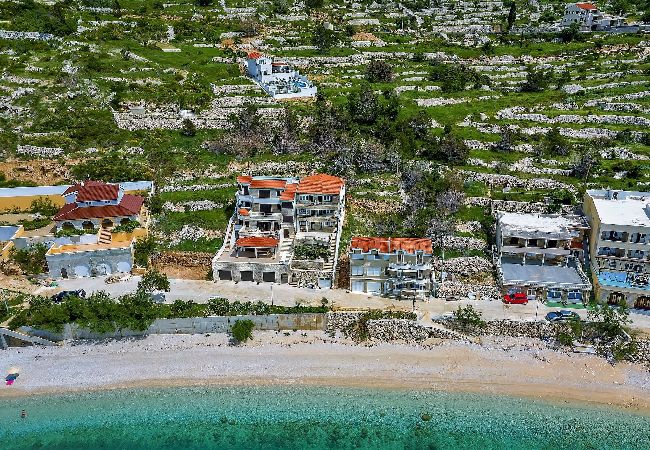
<point x="518" y="298"/>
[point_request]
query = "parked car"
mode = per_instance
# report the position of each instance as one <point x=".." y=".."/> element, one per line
<point x="64" y="295"/>
<point x="518" y="298"/>
<point x="562" y="316"/>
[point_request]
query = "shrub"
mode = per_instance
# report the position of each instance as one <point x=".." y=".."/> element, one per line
<point x="311" y="251"/>
<point x="379" y="71"/>
<point x="152" y="281"/>
<point x="126" y="227"/>
<point x="143" y="249"/>
<point x="31" y="260"/>
<point x="242" y="330"/>
<point x="67" y="232"/>
<point x="43" y="206"/>
<point x="468" y="317"/>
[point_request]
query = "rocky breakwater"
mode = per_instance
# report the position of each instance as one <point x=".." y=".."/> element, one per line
<point x="358" y="326"/>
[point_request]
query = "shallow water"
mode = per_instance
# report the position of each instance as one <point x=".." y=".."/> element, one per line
<point x="310" y="418"/>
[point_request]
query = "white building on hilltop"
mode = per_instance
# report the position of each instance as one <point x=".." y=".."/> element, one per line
<point x="279" y="79"/>
<point x="589" y="18"/>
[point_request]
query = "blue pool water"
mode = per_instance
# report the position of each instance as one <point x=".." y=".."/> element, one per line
<point x="310" y="418"/>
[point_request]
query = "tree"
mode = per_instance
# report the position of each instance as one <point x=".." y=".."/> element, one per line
<point x="586" y="162"/>
<point x="314" y="4"/>
<point x="43" y="206"/>
<point x="555" y="144"/>
<point x="189" y="129"/>
<point x="280" y="6"/>
<point x="506" y="143"/>
<point x="363" y="106"/>
<point x="379" y="71"/>
<point x="242" y="330"/>
<point x="152" y="281"/>
<point x="203" y="2"/>
<point x="143" y="249"/>
<point x="453" y="150"/>
<point x="570" y="33"/>
<point x="31" y="260"/>
<point x="323" y="38"/>
<point x="537" y="80"/>
<point x="512" y="15"/>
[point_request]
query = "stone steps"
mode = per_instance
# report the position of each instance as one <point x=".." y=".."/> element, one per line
<point x="105" y="236"/>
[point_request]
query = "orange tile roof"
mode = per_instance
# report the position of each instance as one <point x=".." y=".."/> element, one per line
<point x="587" y="6"/>
<point x="268" y="184"/>
<point x="253" y="241"/>
<point x="254" y="55"/>
<point x="320" y="184"/>
<point x="289" y="192"/>
<point x="129" y="206"/>
<point x="244" y="179"/>
<point x="391" y="245"/>
<point x="244" y="212"/>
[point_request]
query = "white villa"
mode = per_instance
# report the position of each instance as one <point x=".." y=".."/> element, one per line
<point x="278" y="79"/>
<point x="589" y="18"/>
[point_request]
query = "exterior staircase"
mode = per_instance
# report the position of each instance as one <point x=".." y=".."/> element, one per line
<point x="329" y="265"/>
<point x="105" y="236"/>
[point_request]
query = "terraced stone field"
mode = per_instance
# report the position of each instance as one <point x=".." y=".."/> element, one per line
<point x="434" y="113"/>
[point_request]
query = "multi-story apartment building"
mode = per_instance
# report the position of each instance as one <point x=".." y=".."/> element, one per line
<point x="395" y="267"/>
<point x="620" y="245"/>
<point x="272" y="215"/>
<point x="541" y="255"/>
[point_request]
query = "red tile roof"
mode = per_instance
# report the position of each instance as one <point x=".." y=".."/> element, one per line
<point x="254" y="241"/>
<point x="93" y="191"/>
<point x="244" y="179"/>
<point x="391" y="245"/>
<point x="268" y="184"/>
<point x="254" y="55"/>
<point x="244" y="212"/>
<point x="320" y="184"/>
<point x="129" y="206"/>
<point x="587" y="6"/>
<point x="289" y="192"/>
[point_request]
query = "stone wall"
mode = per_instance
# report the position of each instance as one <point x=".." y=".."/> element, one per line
<point x="198" y="325"/>
<point x="186" y="259"/>
<point x="92" y="263"/>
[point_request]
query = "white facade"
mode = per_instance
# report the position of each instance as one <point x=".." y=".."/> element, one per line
<point x="278" y="79"/>
<point x="589" y="18"/>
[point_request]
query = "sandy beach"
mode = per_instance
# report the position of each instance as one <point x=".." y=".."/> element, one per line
<point x="517" y="367"/>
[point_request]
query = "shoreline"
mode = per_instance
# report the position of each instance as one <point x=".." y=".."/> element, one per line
<point x="541" y="393"/>
<point x="513" y="368"/>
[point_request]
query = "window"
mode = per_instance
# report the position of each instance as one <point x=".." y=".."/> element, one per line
<point x="302" y="211"/>
<point x="265" y="193"/>
<point x="419" y="257"/>
<point x="357" y="271"/>
<point x="374" y="271"/>
<point x="554" y="294"/>
<point x="358" y="286"/>
<point x="400" y="257"/>
<point x="327" y="198"/>
<point x="304" y="198"/>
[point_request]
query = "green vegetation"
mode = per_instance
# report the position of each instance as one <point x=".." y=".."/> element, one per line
<point x="43" y="206"/>
<point x="31" y="260"/>
<point x="67" y="232"/>
<point x="152" y="281"/>
<point x="242" y="331"/>
<point x="126" y="227"/>
<point x="468" y="318"/>
<point x="311" y="252"/>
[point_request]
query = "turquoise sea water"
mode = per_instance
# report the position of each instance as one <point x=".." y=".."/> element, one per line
<point x="309" y="418"/>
